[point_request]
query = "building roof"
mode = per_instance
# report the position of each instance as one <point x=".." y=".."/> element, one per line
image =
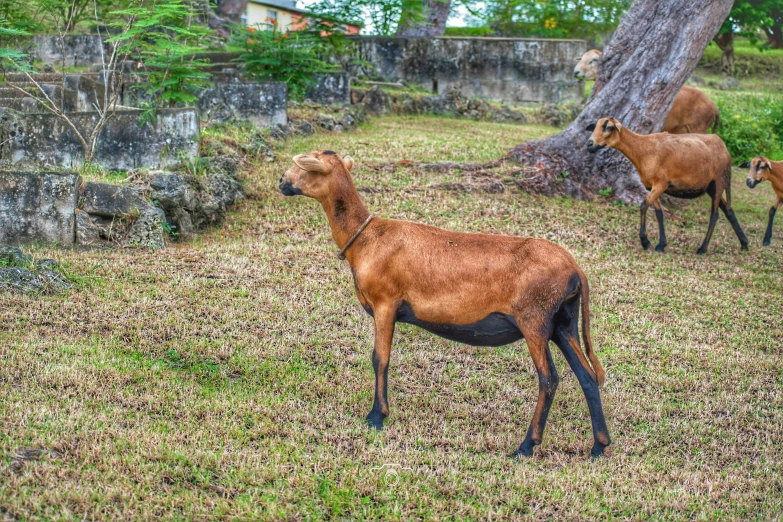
<point x="289" y="5"/>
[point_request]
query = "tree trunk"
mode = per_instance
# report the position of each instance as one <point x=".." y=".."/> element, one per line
<point x="774" y="36"/>
<point x="433" y="24"/>
<point x="655" y="49"/>
<point x="231" y="8"/>
<point x="726" y="43"/>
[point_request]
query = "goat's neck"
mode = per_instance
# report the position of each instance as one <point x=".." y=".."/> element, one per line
<point x="629" y="143"/>
<point x="777" y="177"/>
<point x="346" y="213"/>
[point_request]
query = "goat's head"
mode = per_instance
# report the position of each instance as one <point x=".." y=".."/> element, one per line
<point x="605" y="134"/>
<point x="587" y="68"/>
<point x="760" y="169"/>
<point x="315" y="174"/>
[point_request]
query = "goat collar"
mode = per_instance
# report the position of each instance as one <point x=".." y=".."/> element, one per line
<point x="341" y="253"/>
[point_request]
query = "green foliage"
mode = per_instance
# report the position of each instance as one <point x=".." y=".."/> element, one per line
<point x="748" y="16"/>
<point x="384" y="15"/>
<point x="165" y="35"/>
<point x="469" y="31"/>
<point x="554" y="18"/>
<point x="10" y="58"/>
<point x="295" y="58"/>
<point x="751" y="125"/>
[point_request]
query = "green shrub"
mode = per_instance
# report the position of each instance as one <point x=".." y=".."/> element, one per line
<point x="296" y="57"/>
<point x="751" y="124"/>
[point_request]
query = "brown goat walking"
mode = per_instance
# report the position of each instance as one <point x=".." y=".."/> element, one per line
<point x="478" y="289"/>
<point x="683" y="166"/>
<point x="762" y="169"/>
<point x="692" y="111"/>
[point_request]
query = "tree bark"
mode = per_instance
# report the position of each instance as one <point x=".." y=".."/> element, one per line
<point x="231" y="8"/>
<point x="654" y="50"/>
<point x="774" y="36"/>
<point x="726" y="43"/>
<point x="434" y="23"/>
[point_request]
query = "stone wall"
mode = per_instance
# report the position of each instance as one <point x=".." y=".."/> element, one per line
<point x="518" y="70"/>
<point x="45" y="207"/>
<point x="44" y="140"/>
<point x="81" y="50"/>
<point x="330" y="89"/>
<point x="262" y="104"/>
<point x="38" y="207"/>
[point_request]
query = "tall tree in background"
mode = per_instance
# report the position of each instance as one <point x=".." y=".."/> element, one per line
<point x="652" y="53"/>
<point x="747" y="17"/>
<point x="427" y="20"/>
<point x="553" y="18"/>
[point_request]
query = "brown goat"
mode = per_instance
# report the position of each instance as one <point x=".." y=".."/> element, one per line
<point x="478" y="289"/>
<point x="692" y="111"/>
<point x="762" y="169"/>
<point x="683" y="166"/>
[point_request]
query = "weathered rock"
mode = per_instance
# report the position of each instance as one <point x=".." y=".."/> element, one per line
<point x="327" y="122"/>
<point x="106" y="200"/>
<point x="226" y="164"/>
<point x="301" y="128"/>
<point x="263" y="104"/>
<point x="147" y="230"/>
<point x="81" y="50"/>
<point x="376" y="101"/>
<point x="517" y="70"/>
<point x="13" y="256"/>
<point x="17" y="273"/>
<point x="172" y="191"/>
<point x="181" y="223"/>
<point x="97" y="231"/>
<point x="730" y="84"/>
<point x="126" y="142"/>
<point x="330" y="89"/>
<point x="38" y="207"/>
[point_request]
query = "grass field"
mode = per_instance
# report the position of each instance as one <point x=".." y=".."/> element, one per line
<point x="229" y="376"/>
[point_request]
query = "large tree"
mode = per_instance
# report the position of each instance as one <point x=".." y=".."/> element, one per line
<point x="427" y="20"/>
<point x="651" y="55"/>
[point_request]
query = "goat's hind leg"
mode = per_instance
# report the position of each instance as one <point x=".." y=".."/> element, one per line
<point x="725" y="206"/>
<point x="661" y="230"/>
<point x="566" y="336"/>
<point x="768" y="235"/>
<point x="548" y="380"/>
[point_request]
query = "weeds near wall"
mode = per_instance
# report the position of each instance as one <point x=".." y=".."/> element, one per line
<point x="295" y="58"/>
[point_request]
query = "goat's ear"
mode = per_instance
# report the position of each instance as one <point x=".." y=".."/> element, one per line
<point x="590" y="128"/>
<point x="769" y="165"/>
<point x="348" y="162"/>
<point x="309" y="163"/>
<point x="745" y="165"/>
<point x="618" y="126"/>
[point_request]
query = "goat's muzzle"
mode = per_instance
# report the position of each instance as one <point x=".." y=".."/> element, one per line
<point x="592" y="147"/>
<point x="752" y="182"/>
<point x="288" y="189"/>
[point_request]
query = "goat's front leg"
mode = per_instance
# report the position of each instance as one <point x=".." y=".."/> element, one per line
<point x="652" y="197"/>
<point x="768" y="235"/>
<point x="384" y="331"/>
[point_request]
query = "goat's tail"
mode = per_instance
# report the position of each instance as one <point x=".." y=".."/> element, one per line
<point x="716" y="124"/>
<point x="600" y="374"/>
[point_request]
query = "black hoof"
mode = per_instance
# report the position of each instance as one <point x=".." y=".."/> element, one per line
<point x="522" y="452"/>
<point x="375" y="420"/>
<point x="597" y="452"/>
<point x="766" y="243"/>
<point x="645" y="243"/>
<point x="745" y="247"/>
<point x="660" y="248"/>
<point x="701" y="251"/>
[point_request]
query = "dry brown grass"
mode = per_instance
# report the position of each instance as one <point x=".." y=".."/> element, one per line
<point x="228" y="377"/>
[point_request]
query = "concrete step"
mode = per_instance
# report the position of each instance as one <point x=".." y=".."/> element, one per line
<point x="20" y="104"/>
